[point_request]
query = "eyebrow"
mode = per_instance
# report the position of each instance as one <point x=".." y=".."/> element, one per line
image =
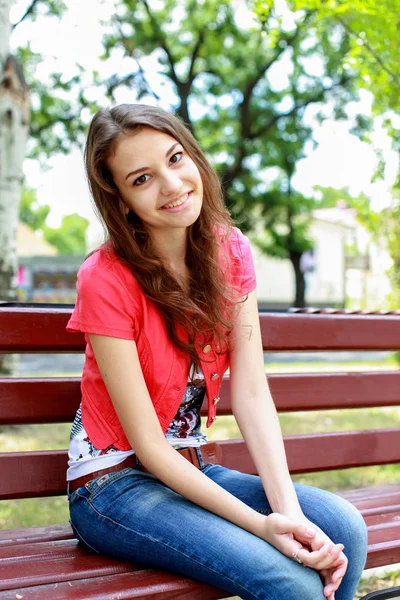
<point x="147" y="168"/>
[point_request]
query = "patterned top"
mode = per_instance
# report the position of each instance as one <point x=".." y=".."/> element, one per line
<point x="184" y="431"/>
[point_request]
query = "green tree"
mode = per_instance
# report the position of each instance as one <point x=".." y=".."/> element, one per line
<point x="224" y="78"/>
<point x="372" y="26"/>
<point x="69" y="238"/>
<point x="30" y="212"/>
<point x="328" y="197"/>
<point x="384" y="227"/>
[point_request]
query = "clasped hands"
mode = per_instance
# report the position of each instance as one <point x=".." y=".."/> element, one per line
<point x="298" y="537"/>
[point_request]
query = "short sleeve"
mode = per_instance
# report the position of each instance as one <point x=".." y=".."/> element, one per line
<point x="104" y="306"/>
<point x="246" y="275"/>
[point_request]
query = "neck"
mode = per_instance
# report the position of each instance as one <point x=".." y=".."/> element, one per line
<point x="171" y="247"/>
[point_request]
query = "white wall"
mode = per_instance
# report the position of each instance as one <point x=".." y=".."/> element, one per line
<point x="275" y="278"/>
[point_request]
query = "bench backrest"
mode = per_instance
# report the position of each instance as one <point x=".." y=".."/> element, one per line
<point x="55" y="400"/>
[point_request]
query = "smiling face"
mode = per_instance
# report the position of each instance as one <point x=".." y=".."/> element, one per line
<point x="157" y="180"/>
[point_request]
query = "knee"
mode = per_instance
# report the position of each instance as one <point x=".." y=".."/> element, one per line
<point x="351" y="523"/>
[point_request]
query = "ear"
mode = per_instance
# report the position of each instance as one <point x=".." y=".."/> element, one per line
<point x="124" y="207"/>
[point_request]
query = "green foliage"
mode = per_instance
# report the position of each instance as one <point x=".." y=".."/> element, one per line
<point x="243" y="89"/>
<point x="30" y="212"/>
<point x="372" y="27"/>
<point x="60" y="110"/>
<point x="384" y="227"/>
<point x="69" y="239"/>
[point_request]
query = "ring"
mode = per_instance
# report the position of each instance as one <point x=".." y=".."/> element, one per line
<point x="297" y="559"/>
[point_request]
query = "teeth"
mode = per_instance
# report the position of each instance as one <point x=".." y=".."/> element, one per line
<point x="177" y="203"/>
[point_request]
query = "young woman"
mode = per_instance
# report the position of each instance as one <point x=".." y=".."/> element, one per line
<point x="166" y="305"/>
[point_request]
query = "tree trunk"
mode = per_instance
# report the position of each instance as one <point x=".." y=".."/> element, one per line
<point x="299" y="300"/>
<point x="14" y="128"/>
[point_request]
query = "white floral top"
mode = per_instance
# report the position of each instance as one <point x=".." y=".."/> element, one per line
<point x="184" y="431"/>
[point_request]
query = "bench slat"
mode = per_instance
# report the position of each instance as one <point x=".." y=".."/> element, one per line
<point x="80" y="564"/>
<point x="24" y="535"/>
<point x="55" y="400"/>
<point x="382" y="553"/>
<point x="291" y="332"/>
<point x="380" y="491"/>
<point x="141" y="585"/>
<point x="43" y="329"/>
<point x="325" y="451"/>
<point x="37" y="330"/>
<point x="67" y="562"/>
<point x="42" y="473"/>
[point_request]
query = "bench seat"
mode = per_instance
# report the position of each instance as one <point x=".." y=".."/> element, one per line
<point x="45" y="562"/>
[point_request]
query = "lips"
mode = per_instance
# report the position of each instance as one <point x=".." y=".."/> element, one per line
<point x="175" y="203"/>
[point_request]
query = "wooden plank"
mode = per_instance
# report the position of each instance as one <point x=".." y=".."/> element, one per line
<point x="383" y="501"/>
<point x="24" y="535"/>
<point x="299" y="332"/>
<point x="325" y="451"/>
<point x="42" y="473"/>
<point x="37" y="330"/>
<point x="385" y="553"/>
<point x="15" y="573"/>
<point x="33" y="474"/>
<point x="371" y="492"/>
<point x="55" y="400"/>
<point x="39" y="400"/>
<point x="324" y="391"/>
<point x="141" y="585"/>
<point x="34" y="550"/>
<point x="43" y="329"/>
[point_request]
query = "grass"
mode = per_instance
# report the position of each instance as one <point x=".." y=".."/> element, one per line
<point x="45" y="511"/>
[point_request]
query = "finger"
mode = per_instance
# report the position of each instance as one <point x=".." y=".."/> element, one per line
<point x="338" y="575"/>
<point x="326" y="560"/>
<point x="323" y="558"/>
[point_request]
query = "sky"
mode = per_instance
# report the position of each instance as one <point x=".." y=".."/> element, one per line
<point x="340" y="159"/>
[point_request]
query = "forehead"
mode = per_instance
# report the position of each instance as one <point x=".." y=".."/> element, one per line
<point x="136" y="150"/>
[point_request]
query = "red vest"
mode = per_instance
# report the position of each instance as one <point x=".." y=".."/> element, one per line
<point x="109" y="296"/>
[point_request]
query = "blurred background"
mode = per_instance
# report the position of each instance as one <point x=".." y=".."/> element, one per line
<point x="296" y="104"/>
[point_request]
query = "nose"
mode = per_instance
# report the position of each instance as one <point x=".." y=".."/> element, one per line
<point x="171" y="184"/>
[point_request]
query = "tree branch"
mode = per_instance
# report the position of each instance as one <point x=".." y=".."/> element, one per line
<point x="28" y="11"/>
<point x="245" y="121"/>
<point x="195" y="54"/>
<point x="163" y="44"/>
<point x="351" y="31"/>
<point x="316" y="98"/>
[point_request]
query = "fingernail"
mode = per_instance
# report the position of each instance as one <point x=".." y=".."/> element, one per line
<point x="310" y="532"/>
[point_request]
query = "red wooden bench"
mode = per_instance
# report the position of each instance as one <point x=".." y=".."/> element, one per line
<point x="47" y="562"/>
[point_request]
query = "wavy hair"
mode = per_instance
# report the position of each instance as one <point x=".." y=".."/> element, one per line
<point x="205" y="309"/>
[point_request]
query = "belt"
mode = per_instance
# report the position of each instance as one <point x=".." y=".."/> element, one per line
<point x="211" y="453"/>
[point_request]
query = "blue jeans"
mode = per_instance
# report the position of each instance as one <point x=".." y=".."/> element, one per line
<point x="132" y="515"/>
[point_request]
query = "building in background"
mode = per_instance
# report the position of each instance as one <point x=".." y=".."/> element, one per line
<point x="345" y="269"/>
<point x="349" y="269"/>
<point x="43" y="275"/>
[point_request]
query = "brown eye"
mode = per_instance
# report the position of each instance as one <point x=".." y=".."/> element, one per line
<point x="141" y="180"/>
<point x="176" y="157"/>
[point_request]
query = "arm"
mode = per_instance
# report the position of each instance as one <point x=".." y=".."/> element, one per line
<point x="255" y="413"/>
<point x="120" y="368"/>
<point x="254" y="409"/>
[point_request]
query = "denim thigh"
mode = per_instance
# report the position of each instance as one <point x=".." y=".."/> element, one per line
<point x="131" y="515"/>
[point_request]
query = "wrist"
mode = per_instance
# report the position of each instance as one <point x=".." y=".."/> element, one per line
<point x="258" y="524"/>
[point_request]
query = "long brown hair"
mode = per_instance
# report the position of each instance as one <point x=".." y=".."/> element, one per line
<point x="208" y="304"/>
